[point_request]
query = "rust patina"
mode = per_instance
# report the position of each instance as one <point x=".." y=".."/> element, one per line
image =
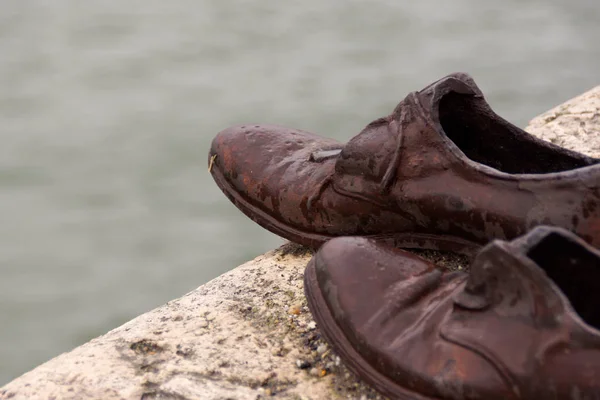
<point x="442" y="171"/>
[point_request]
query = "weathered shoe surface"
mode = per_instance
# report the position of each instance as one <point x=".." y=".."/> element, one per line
<point x="441" y="171"/>
<point x="524" y="324"/>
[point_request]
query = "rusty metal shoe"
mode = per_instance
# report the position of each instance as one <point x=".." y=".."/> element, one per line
<point x="524" y="324"/>
<point x="443" y="171"/>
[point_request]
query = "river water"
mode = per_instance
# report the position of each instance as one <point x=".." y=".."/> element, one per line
<point x="107" y="109"/>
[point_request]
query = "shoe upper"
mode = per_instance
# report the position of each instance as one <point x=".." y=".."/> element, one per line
<point x="522" y="325"/>
<point x="452" y="165"/>
<point x="442" y="163"/>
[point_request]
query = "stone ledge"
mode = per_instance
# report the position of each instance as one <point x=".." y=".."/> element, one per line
<point x="246" y="334"/>
<point x="574" y="124"/>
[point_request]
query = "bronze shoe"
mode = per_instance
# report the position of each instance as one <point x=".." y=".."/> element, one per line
<point x="443" y="171"/>
<point x="524" y="324"/>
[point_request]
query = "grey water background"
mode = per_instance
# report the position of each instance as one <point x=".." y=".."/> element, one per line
<point x="107" y="110"/>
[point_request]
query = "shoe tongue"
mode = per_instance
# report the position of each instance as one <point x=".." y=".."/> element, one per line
<point x="369" y="161"/>
<point x="571" y="264"/>
<point x="539" y="275"/>
<point x="504" y="279"/>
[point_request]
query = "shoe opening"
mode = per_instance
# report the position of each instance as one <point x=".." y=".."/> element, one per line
<point x="488" y="139"/>
<point x="575" y="270"/>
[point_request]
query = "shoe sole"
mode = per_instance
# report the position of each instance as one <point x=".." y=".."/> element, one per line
<point x="336" y="338"/>
<point x="315" y="240"/>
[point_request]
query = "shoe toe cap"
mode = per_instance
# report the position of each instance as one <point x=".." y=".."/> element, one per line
<point x="255" y="148"/>
<point x="355" y="273"/>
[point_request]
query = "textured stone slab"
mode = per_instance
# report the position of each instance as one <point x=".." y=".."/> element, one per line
<point x="574" y="124"/>
<point x="246" y="334"/>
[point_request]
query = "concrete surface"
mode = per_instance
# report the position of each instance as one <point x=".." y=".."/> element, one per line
<point x="248" y="333"/>
<point x="574" y="124"/>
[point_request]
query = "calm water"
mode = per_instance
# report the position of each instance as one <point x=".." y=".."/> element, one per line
<point x="107" y="109"/>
